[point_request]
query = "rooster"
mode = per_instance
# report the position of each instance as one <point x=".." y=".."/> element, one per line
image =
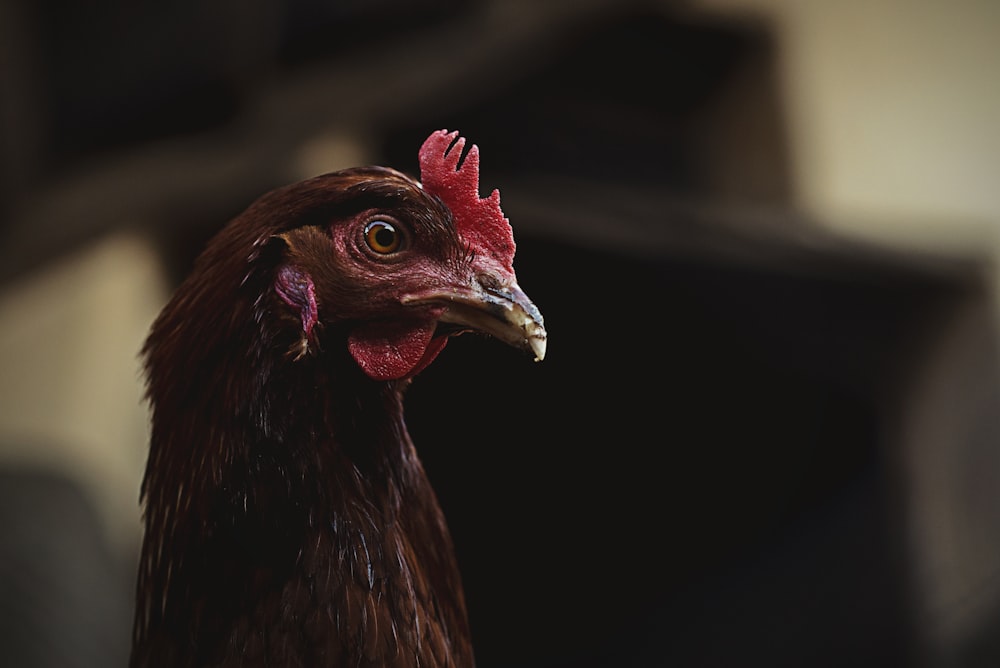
<point x="288" y="519"/>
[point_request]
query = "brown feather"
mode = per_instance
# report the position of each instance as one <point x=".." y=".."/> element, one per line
<point x="289" y="521"/>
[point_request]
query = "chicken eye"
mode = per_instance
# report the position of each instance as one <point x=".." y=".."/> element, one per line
<point x="382" y="237"/>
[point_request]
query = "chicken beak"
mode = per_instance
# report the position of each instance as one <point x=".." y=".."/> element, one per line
<point x="501" y="310"/>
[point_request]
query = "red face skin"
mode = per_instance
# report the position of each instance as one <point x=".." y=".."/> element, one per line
<point x="405" y="348"/>
<point x="387" y="342"/>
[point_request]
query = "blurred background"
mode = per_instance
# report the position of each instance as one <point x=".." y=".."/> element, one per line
<point x="763" y="234"/>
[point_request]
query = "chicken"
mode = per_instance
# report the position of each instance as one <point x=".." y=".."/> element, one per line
<point x="288" y="519"/>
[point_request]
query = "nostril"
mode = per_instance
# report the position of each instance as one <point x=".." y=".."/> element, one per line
<point x="491" y="283"/>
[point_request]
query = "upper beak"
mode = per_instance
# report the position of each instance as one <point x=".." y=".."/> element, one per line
<point x="500" y="310"/>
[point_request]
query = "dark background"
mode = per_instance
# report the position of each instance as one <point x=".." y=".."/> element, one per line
<point x="710" y="468"/>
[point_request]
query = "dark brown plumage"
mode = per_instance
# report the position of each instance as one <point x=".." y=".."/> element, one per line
<point x="289" y="521"/>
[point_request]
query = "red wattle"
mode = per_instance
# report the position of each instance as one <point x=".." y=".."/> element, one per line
<point x="393" y="350"/>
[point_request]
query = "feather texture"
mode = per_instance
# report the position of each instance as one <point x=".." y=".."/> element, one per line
<point x="289" y="521"/>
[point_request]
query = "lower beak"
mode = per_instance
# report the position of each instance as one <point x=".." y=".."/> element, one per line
<point x="503" y="312"/>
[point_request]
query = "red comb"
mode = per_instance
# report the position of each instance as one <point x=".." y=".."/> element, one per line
<point x="479" y="221"/>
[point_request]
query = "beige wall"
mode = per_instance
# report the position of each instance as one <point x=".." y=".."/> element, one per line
<point x="894" y="113"/>
<point x="70" y="392"/>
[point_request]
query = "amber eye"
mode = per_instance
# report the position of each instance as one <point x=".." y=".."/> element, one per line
<point x="382" y="237"/>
